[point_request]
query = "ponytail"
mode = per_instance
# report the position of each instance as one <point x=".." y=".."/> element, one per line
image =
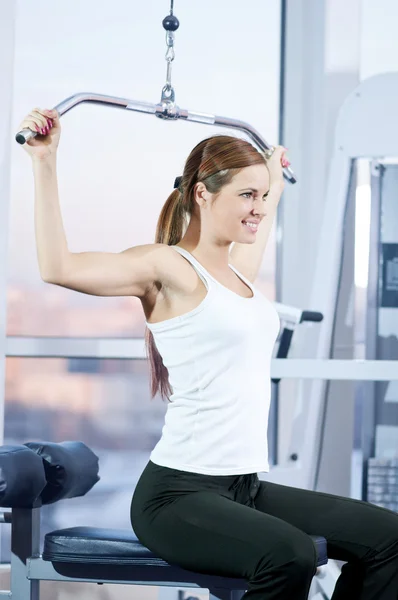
<point x="169" y="230"/>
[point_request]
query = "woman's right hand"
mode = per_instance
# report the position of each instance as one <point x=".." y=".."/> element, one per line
<point x="47" y="125"/>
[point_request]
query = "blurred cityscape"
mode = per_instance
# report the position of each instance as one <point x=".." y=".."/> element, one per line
<point x="49" y="310"/>
<point x="104" y="403"/>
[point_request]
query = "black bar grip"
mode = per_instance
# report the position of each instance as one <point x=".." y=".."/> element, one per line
<point x="310" y="315"/>
<point x="284" y="345"/>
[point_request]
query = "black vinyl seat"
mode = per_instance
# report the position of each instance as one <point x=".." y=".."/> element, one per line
<point x="117" y="554"/>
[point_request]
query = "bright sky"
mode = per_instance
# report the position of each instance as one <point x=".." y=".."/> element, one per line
<point x="116" y="168"/>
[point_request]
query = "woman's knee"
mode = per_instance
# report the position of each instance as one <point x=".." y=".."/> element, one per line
<point x="304" y="562"/>
<point x="296" y="558"/>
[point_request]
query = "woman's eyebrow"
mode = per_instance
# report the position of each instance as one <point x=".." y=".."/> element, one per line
<point x="252" y="190"/>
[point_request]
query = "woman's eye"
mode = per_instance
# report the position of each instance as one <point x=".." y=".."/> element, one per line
<point x="247" y="194"/>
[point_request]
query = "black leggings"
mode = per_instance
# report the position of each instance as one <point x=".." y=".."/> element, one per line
<point x="238" y="526"/>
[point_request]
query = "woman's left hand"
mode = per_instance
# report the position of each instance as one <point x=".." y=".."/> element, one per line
<point x="276" y="164"/>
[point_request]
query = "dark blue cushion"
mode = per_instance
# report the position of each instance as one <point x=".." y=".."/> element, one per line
<point x="22" y="477"/>
<point x="71" y="469"/>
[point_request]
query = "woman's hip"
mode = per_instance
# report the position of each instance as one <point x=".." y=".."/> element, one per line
<point x="160" y="486"/>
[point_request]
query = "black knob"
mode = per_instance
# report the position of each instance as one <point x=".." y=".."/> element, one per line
<point x="171" y="23"/>
<point x="294" y="457"/>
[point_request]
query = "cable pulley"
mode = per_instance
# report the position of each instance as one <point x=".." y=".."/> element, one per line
<point x="170" y="24"/>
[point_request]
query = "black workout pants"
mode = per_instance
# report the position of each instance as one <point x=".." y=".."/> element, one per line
<point x="238" y="526"/>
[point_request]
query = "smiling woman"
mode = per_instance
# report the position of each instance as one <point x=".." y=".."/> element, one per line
<point x="209" y="172"/>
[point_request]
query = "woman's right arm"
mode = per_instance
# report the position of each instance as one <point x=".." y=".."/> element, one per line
<point x="128" y="273"/>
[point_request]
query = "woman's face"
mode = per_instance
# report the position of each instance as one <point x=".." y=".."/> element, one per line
<point x="241" y="201"/>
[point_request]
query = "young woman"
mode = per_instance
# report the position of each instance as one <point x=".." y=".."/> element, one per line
<point x="199" y="502"/>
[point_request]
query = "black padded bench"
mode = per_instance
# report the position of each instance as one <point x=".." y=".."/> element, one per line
<point x="43" y="473"/>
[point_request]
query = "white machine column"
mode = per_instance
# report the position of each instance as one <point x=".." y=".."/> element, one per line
<point x="321" y="68"/>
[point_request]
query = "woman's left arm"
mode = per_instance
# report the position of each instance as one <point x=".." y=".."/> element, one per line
<point x="247" y="258"/>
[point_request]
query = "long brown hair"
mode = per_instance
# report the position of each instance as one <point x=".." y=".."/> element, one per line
<point x="214" y="161"/>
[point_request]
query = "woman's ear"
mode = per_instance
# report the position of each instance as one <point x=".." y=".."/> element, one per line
<point x="202" y="196"/>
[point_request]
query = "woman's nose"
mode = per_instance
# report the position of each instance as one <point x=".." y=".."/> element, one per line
<point x="259" y="207"/>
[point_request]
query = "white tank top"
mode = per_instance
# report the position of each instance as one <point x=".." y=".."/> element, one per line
<point x="218" y="357"/>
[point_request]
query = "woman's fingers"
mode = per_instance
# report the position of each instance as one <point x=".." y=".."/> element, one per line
<point x="279" y="155"/>
<point x="37" y="120"/>
<point x="283" y="158"/>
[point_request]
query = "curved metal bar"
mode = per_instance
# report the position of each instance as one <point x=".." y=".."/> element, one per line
<point x="163" y="110"/>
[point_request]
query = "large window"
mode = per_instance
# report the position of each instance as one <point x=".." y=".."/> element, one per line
<point x="116" y="168"/>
